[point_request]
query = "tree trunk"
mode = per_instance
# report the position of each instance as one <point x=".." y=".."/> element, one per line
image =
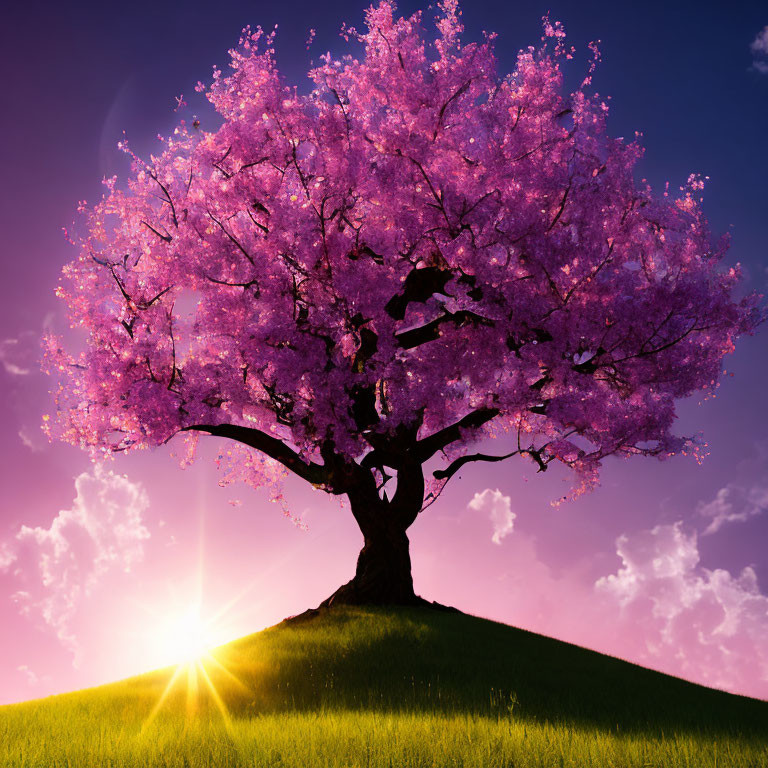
<point x="383" y="574"/>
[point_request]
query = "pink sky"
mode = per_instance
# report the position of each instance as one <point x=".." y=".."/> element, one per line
<point x="664" y="564"/>
<point x="94" y="579"/>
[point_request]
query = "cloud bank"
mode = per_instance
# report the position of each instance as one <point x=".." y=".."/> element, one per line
<point x="658" y="607"/>
<point x="707" y="625"/>
<point x="61" y="565"/>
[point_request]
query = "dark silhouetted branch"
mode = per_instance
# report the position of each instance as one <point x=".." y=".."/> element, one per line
<point x="457" y="464"/>
<point x="430" y="445"/>
<point x="271" y="446"/>
<point x="415" y="337"/>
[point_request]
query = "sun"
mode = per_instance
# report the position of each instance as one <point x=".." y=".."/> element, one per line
<point x="191" y="636"/>
<point x="186" y="641"/>
<point x="185" y="637"/>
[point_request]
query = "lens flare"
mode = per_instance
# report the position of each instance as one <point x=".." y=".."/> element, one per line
<point x="190" y="639"/>
<point x="186" y="640"/>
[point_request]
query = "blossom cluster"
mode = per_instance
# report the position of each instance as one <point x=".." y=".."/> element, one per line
<point x="414" y="240"/>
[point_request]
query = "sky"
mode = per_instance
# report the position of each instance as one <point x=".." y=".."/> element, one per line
<point x="665" y="564"/>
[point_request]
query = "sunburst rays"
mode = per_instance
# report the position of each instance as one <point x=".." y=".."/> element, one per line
<point x="198" y="679"/>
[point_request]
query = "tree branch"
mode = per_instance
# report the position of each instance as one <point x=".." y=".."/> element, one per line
<point x="409" y="496"/>
<point x="168" y="198"/>
<point x="560" y="209"/>
<point x="457" y="464"/>
<point x="232" y="238"/>
<point x="165" y="238"/>
<point x="271" y="446"/>
<point x="435" y="442"/>
<point x="459" y="92"/>
<point x="415" y="337"/>
<point x="419" y="285"/>
<point x="236" y="285"/>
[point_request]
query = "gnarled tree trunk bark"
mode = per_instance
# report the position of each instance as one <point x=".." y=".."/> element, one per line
<point x="383" y="573"/>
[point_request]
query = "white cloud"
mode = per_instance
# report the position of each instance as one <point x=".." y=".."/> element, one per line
<point x="31" y="440"/>
<point x="499" y="508"/>
<point x="759" y="45"/>
<point x="26" y="439"/>
<point x="759" y="48"/>
<point x="12" y="354"/>
<point x="734" y="504"/>
<point x="62" y="564"/>
<point x="32" y="678"/>
<point x="20" y="354"/>
<point x="702" y="624"/>
<point x="7" y="557"/>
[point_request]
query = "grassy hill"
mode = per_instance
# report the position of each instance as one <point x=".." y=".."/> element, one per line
<point x="386" y="687"/>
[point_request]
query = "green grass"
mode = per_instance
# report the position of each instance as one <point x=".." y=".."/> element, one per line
<point x="415" y="687"/>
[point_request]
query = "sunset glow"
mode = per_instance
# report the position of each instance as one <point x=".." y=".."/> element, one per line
<point x="186" y="637"/>
<point x="148" y="561"/>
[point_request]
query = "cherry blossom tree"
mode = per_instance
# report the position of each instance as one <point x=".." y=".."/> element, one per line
<point x="414" y="257"/>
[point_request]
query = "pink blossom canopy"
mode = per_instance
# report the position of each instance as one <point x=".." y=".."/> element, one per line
<point x="416" y="255"/>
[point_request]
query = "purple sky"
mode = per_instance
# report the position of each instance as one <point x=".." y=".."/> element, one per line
<point x="664" y="564"/>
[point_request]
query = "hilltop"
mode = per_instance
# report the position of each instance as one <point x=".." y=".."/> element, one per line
<point x="403" y="687"/>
